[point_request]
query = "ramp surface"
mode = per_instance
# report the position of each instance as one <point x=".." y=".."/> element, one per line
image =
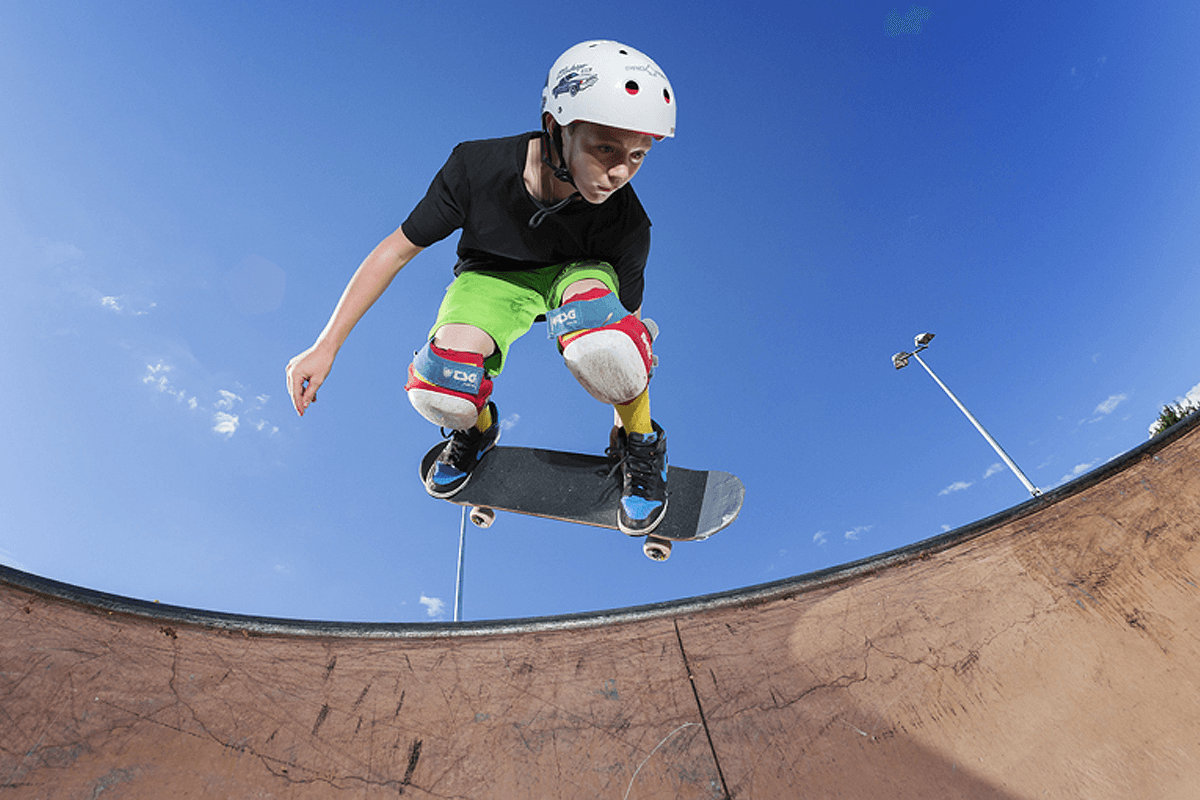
<point x="1049" y="651"/>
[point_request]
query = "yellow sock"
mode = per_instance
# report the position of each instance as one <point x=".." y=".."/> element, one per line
<point x="485" y="418"/>
<point x="635" y="415"/>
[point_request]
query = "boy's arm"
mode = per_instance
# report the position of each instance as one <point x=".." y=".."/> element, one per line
<point x="307" y="371"/>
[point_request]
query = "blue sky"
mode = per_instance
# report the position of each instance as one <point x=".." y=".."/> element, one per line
<point x="186" y="187"/>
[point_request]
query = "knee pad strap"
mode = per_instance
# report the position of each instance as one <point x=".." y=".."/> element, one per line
<point x="588" y="313"/>
<point x="459" y="372"/>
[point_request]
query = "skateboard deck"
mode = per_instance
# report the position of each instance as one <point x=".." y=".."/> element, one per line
<point x="585" y="489"/>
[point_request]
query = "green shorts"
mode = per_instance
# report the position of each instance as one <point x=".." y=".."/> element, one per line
<point x="506" y="304"/>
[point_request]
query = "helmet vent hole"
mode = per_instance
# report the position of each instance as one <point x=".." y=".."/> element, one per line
<point x="623" y="52"/>
<point x="667" y="96"/>
<point x="632" y="87"/>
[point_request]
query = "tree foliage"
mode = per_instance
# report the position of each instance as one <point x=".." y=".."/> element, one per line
<point x="1171" y="414"/>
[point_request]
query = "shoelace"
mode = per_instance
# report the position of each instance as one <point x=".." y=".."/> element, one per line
<point x="461" y="444"/>
<point x="641" y="466"/>
<point x="617" y="453"/>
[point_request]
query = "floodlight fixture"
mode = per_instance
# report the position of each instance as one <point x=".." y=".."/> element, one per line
<point x="923" y="339"/>
<point x="900" y="360"/>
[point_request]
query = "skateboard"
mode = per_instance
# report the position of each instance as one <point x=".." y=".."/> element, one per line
<point x="585" y="489"/>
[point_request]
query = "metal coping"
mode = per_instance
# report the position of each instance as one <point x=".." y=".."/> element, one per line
<point x="110" y="604"/>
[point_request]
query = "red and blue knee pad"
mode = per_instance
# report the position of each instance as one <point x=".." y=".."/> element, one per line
<point x="448" y="387"/>
<point x="607" y="349"/>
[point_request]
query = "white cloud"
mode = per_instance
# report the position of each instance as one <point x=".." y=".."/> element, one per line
<point x="1193" y="395"/>
<point x="1079" y="470"/>
<point x="1192" y="398"/>
<point x="121" y="304"/>
<point x="227" y="417"/>
<point x="957" y="486"/>
<point x="992" y="470"/>
<point x="509" y="422"/>
<point x="820" y="538"/>
<point x="227" y="400"/>
<point x="1110" y="405"/>
<point x="434" y="606"/>
<point x="853" y="535"/>
<point x="156" y="377"/>
<point x="225" y="424"/>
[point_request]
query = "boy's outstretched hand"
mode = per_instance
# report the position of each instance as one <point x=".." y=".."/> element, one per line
<point x="305" y="374"/>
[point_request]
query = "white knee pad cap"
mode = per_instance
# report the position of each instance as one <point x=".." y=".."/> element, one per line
<point x="448" y="411"/>
<point x="607" y="363"/>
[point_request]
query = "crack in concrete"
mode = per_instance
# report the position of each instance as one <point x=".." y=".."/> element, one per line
<point x="700" y="708"/>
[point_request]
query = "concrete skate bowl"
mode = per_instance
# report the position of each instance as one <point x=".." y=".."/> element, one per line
<point x="1052" y="650"/>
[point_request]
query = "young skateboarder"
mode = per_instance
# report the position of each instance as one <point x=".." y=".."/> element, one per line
<point x="551" y="229"/>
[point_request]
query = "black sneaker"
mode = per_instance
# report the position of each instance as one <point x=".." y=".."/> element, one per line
<point x="644" y="491"/>
<point x="616" y="444"/>
<point x="458" y="459"/>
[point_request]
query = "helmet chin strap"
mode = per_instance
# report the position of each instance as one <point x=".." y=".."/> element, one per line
<point x="560" y="172"/>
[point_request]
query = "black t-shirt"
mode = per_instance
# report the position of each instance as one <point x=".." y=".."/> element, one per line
<point x="481" y="189"/>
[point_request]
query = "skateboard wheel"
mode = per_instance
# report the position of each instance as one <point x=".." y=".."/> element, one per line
<point x="483" y="517"/>
<point x="657" y="549"/>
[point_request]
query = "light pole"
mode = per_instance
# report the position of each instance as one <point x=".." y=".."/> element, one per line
<point x="921" y="342"/>
<point x="462" y="563"/>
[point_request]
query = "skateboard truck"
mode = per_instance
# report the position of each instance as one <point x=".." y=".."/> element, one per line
<point x="655" y="548"/>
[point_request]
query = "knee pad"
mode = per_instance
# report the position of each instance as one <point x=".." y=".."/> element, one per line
<point x="448" y="387"/>
<point x="607" y="349"/>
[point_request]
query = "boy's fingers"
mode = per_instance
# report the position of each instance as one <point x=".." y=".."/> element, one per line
<point x="297" y="386"/>
<point x="305" y="374"/>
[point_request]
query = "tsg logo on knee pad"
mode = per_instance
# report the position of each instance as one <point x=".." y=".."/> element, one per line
<point x="596" y="309"/>
<point x="458" y="377"/>
<point x="563" y="320"/>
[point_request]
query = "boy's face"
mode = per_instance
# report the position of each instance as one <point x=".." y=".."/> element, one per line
<point x="602" y="159"/>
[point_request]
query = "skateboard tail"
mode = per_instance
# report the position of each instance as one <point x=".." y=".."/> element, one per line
<point x="723" y="496"/>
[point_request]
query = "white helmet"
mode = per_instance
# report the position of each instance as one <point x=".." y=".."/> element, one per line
<point x="610" y="84"/>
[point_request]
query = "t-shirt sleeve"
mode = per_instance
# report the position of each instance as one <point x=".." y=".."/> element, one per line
<point x="443" y="208"/>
